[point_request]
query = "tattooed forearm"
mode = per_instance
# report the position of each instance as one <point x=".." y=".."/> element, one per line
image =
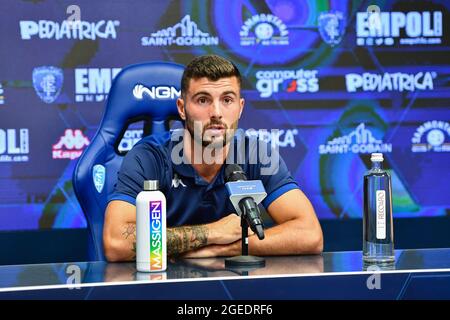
<point x="174" y="243"/>
<point x="130" y="230"/>
<point x="130" y="233"/>
<point x="179" y="239"/>
<point x="182" y="239"/>
<point x="185" y="239"/>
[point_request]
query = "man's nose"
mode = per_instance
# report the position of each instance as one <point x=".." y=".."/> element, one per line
<point x="216" y="110"/>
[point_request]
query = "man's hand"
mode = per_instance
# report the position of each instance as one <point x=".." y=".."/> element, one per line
<point x="119" y="234"/>
<point x="224" y="241"/>
<point x="187" y="238"/>
<point x="225" y="230"/>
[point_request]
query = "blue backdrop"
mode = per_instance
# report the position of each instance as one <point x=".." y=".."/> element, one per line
<point x="336" y="78"/>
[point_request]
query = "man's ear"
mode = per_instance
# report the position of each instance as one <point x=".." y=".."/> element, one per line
<point x="241" y="102"/>
<point x="181" y="110"/>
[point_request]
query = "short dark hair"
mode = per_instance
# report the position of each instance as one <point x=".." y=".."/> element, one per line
<point x="210" y="66"/>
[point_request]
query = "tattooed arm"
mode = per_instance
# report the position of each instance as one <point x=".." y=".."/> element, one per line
<point x="119" y="233"/>
<point x="187" y="238"/>
<point x="182" y="239"/>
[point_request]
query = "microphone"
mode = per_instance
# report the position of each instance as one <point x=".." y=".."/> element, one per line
<point x="245" y="196"/>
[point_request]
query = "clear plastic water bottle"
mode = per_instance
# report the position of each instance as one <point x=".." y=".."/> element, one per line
<point x="151" y="247"/>
<point x="378" y="233"/>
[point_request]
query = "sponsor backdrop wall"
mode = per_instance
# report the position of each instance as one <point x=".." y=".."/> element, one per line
<point x="338" y="79"/>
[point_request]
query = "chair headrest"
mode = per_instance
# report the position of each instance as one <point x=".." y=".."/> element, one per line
<point x="145" y="90"/>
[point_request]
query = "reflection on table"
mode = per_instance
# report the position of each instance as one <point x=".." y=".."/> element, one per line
<point x="180" y="269"/>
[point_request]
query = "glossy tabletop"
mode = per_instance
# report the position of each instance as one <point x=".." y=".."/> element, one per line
<point x="60" y="275"/>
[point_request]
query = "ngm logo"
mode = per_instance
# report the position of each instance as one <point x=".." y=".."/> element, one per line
<point x="411" y="28"/>
<point x="291" y="81"/>
<point x="156" y="235"/>
<point x="45" y="29"/>
<point x="156" y="92"/>
<point x="93" y="84"/>
<point x="14" y="145"/>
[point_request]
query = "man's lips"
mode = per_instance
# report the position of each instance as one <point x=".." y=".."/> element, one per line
<point x="216" y="127"/>
<point x="215" y="130"/>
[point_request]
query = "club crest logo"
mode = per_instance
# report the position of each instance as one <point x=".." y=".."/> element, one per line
<point x="331" y="27"/>
<point x="264" y="29"/>
<point x="99" y="176"/>
<point x="432" y="136"/>
<point x="47" y="82"/>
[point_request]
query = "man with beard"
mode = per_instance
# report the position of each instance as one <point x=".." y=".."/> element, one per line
<point x="190" y="169"/>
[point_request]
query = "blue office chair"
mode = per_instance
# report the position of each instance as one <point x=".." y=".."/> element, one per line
<point x="146" y="91"/>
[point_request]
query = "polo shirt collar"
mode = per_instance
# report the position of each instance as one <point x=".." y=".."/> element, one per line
<point x="187" y="170"/>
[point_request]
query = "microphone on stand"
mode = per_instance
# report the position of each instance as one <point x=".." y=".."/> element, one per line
<point x="243" y="194"/>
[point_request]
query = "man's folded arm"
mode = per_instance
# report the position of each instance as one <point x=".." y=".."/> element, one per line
<point x="119" y="233"/>
<point x="297" y="231"/>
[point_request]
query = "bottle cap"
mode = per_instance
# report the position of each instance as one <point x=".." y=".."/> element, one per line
<point x="150" y="185"/>
<point x="376" y="157"/>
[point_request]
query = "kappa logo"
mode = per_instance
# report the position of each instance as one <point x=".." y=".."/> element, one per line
<point x="70" y="145"/>
<point x="176" y="182"/>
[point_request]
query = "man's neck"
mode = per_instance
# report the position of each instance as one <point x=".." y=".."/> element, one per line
<point x="205" y="160"/>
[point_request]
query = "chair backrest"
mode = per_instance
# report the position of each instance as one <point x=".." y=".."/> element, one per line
<point x="146" y="91"/>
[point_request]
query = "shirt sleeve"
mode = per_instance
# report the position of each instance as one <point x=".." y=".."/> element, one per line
<point x="273" y="173"/>
<point x="139" y="164"/>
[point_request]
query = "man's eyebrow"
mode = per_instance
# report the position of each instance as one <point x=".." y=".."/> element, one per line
<point x="229" y="92"/>
<point x="205" y="93"/>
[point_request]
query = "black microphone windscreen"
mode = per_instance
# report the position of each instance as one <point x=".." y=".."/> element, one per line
<point x="234" y="172"/>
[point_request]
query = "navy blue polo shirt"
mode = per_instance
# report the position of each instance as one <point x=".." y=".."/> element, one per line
<point x="192" y="200"/>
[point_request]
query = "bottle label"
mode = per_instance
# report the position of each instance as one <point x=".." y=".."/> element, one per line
<point x="381" y="214"/>
<point x="156" y="249"/>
